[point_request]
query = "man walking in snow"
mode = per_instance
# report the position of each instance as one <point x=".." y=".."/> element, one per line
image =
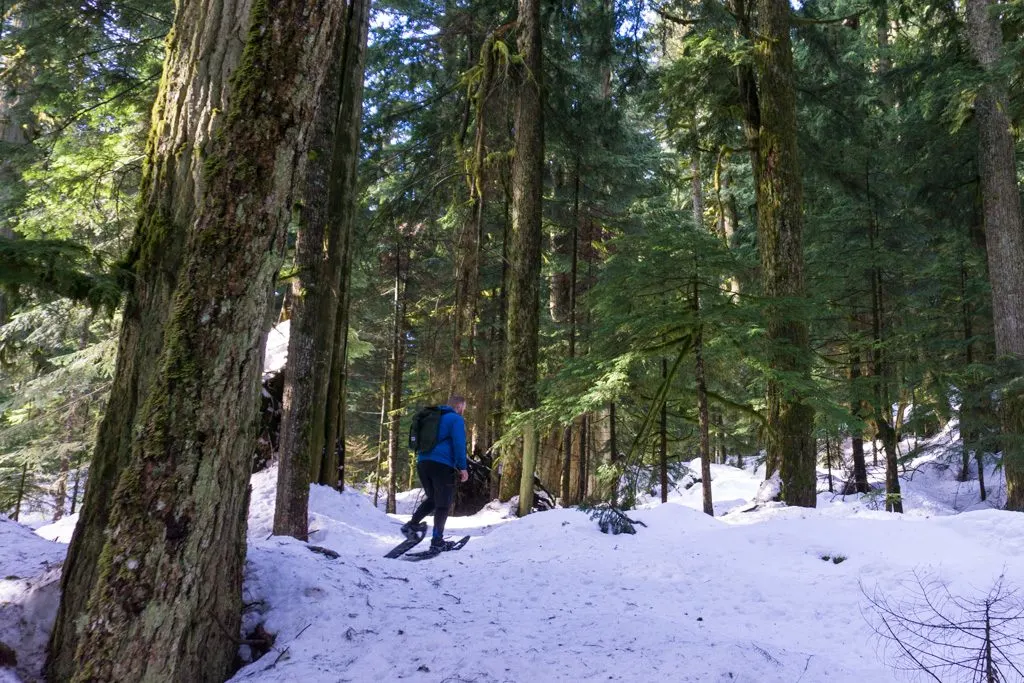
<point x="436" y="468"/>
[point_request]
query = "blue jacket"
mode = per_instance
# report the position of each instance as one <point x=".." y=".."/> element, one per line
<point x="450" y="448"/>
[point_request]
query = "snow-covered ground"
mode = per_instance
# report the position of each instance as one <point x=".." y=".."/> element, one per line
<point x="743" y="597"/>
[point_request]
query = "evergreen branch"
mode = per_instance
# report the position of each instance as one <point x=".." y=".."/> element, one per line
<point x="113" y="98"/>
<point x="675" y="18"/>
<point x="850" y="20"/>
<point x="49" y="265"/>
<point x="659" y="398"/>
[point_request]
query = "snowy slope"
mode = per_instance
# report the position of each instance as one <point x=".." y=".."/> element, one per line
<point x="550" y="598"/>
<point x="745" y="596"/>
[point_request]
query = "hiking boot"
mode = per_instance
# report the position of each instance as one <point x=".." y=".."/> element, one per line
<point x="414" y="531"/>
<point x="440" y="545"/>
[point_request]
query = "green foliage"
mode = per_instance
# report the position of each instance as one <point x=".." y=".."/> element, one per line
<point x="61" y="360"/>
<point x="57" y="267"/>
<point x="611" y="520"/>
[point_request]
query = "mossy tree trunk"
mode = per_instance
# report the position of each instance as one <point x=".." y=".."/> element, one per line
<point x="313" y="300"/>
<point x="232" y="127"/>
<point x="791" y="449"/>
<point x="316" y="345"/>
<point x="1004" y="234"/>
<point x="171" y="192"/>
<point x="343" y="213"/>
<point x="520" y="376"/>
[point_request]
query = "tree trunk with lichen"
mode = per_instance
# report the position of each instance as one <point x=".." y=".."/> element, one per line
<point x="343" y="212"/>
<point x="790" y="446"/>
<point x="520" y="381"/>
<point x="311" y="334"/>
<point x="1004" y="236"/>
<point x="227" y="152"/>
<point x="170" y="194"/>
<point x="316" y="346"/>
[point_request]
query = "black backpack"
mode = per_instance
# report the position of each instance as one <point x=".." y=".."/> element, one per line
<point x="423" y="432"/>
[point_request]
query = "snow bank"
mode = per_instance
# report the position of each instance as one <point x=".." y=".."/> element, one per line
<point x="275" y="353"/>
<point x="29" y="594"/>
<point x="60" y="531"/>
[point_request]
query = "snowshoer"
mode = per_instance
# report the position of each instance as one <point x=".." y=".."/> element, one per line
<point x="436" y="468"/>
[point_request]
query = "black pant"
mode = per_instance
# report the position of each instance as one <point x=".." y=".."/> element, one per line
<point x="438" y="481"/>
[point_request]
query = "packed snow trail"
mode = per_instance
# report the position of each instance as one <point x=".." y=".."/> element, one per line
<point x="745" y="596"/>
<point x="550" y="598"/>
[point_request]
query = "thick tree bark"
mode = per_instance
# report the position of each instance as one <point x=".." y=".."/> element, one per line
<point x="310" y="339"/>
<point x="520" y="381"/>
<point x="1004" y="234"/>
<point x="342" y="211"/>
<point x="167" y="600"/>
<point x="790" y="446"/>
<point x="172" y="189"/>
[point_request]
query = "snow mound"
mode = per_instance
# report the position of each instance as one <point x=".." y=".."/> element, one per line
<point x="29" y="593"/>
<point x="61" y="530"/>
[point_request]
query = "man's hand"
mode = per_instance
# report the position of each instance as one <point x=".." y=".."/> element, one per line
<point x="463" y="475"/>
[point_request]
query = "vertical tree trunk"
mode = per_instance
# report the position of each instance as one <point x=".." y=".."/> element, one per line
<point x="60" y="496"/>
<point x="573" y="274"/>
<point x="167" y="600"/>
<point x="170" y="195"/>
<point x="584" y="460"/>
<point x="342" y="212"/>
<point x="780" y="227"/>
<point x="828" y="463"/>
<point x="613" y="450"/>
<point x="529" y="465"/>
<point x="702" y="408"/>
<point x="883" y="408"/>
<point x="380" y="437"/>
<point x="663" y="438"/>
<point x="860" y="470"/>
<point x="12" y="135"/>
<point x="520" y="391"/>
<point x="501" y="350"/>
<point x="969" y="418"/>
<point x="78" y="482"/>
<point x="310" y="338"/>
<point x="1004" y="235"/>
<point x="746" y="82"/>
<point x="468" y="367"/>
<point x="22" y="483"/>
<point x="395" y="403"/>
<point x="703" y="421"/>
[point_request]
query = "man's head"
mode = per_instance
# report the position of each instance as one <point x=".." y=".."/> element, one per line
<point x="458" y="403"/>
